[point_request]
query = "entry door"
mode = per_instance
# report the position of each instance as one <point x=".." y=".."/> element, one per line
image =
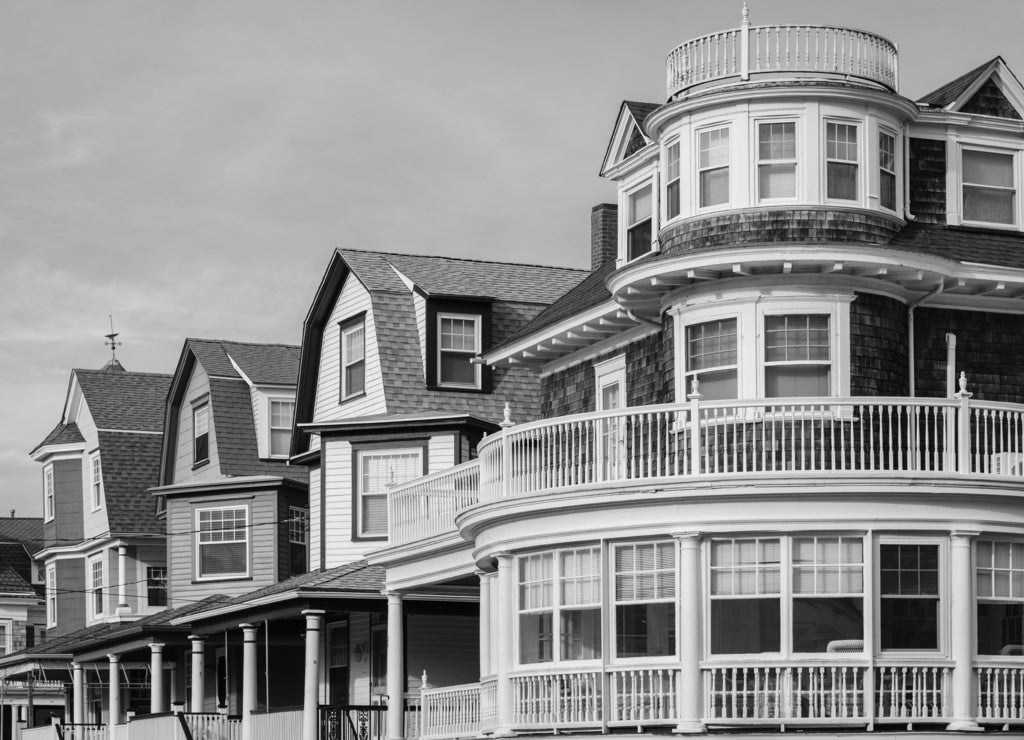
<point x="611" y="395"/>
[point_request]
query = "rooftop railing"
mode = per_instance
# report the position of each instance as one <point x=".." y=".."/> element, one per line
<point x="791" y="437"/>
<point x="805" y="50"/>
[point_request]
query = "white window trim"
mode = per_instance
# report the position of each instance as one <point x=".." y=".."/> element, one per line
<point x="675" y="141"/>
<point x="897" y="162"/>
<point x="611" y="609"/>
<point x="248" y="545"/>
<point x="861" y="181"/>
<point x="627" y="193"/>
<point x="7" y="643"/>
<point x="755" y="130"/>
<point x="749" y="309"/>
<point x="49" y="493"/>
<point x="96" y="493"/>
<point x="205" y="408"/>
<point x="477" y="320"/>
<point x="91" y="562"/>
<point x="730" y="202"/>
<point x="942" y="639"/>
<point x="272" y="398"/>
<point x="144" y="582"/>
<point x="51" y="595"/>
<point x="360" y="455"/>
<point x="1018" y="210"/>
<point x="345" y="331"/>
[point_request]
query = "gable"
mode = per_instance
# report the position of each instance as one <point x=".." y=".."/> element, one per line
<point x="989" y="90"/>
<point x="628" y="136"/>
<point x="989" y="100"/>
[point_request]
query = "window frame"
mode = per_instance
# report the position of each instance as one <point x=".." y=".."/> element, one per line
<point x="630" y="225"/>
<point x="941" y="639"/>
<point x="347" y="327"/>
<point x="699" y="170"/>
<point x="689" y="373"/>
<point x="152" y="578"/>
<point x="1014" y="155"/>
<point x="198" y="544"/>
<point x="298" y="536"/>
<point x="477" y="320"/>
<point x="51" y="595"/>
<point x="92" y="562"/>
<point x="359" y="453"/>
<point x="858" y="179"/>
<point x="271" y="400"/>
<point x="673" y="198"/>
<point x="614" y="600"/>
<point x="96" y="497"/>
<point x="203" y="408"/>
<point x="767" y="364"/>
<point x="49" y="493"/>
<point x="7" y="636"/>
<point x="1013" y="598"/>
<point x="894" y="172"/>
<point x="758" y="162"/>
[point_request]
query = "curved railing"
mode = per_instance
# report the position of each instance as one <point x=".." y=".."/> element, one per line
<point x="869" y="436"/>
<point x="752" y="50"/>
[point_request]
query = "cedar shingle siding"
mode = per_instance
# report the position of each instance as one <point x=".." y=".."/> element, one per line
<point x="928" y="180"/>
<point x="878" y="346"/>
<point x="990" y="101"/>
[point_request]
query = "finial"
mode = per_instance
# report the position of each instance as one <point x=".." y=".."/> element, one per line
<point x="963" y="392"/>
<point x="746" y="14"/>
<point x="695" y="394"/>
<point x="507" y="421"/>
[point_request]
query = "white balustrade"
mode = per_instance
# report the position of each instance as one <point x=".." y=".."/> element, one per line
<point x="1000" y="693"/>
<point x="912" y="693"/>
<point x="87" y="731"/>
<point x="213" y="726"/>
<point x="45" y="732"/>
<point x="783" y="694"/>
<point x="819" y="50"/>
<point x="276" y="725"/>
<point x="643" y="696"/>
<point x="450" y="711"/>
<point x="552" y="700"/>
<point x="428" y="505"/>
<point x="488" y="705"/>
<point x="157" y="727"/>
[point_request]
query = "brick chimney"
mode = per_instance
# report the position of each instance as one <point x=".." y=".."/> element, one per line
<point x="604" y="234"/>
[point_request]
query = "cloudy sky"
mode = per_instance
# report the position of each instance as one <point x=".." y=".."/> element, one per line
<point x="189" y="166"/>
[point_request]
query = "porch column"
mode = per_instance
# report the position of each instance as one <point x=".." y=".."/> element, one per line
<point x="396" y="668"/>
<point x="311" y="681"/>
<point x="198" y="672"/>
<point x="114" y="700"/>
<point x="962" y="632"/>
<point x="485" y="623"/>
<point x="505" y="657"/>
<point x="78" y="691"/>
<point x="122" y="581"/>
<point x="156" y="678"/>
<point x="248" y="678"/>
<point x="689" y="634"/>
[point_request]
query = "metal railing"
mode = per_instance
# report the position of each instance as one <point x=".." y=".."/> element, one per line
<point x="353" y="722"/>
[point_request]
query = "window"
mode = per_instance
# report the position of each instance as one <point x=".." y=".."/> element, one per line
<point x="51" y="595"/>
<point x="48" y="504"/>
<point x="887" y="170"/>
<point x="6" y="636"/>
<point x="298" y="534"/>
<point x="281" y="415"/>
<point x="564" y="589"/>
<point x="645" y="593"/>
<point x="988" y="191"/>
<point x="828" y="594"/>
<point x="745" y="596"/>
<point x="711" y="350"/>
<point x="796" y="355"/>
<point x="1000" y="579"/>
<point x="713" y="170"/>
<point x="909" y="596"/>
<point x="376" y="470"/>
<point x="223" y="542"/>
<point x="353" y="358"/>
<point x="672" y="195"/>
<point x="96" y="600"/>
<point x="97" y="481"/>
<point x="459" y="342"/>
<point x="841" y="161"/>
<point x="201" y="434"/>
<point x="638" y="227"/>
<point x="156" y="586"/>
<point x="776" y="160"/>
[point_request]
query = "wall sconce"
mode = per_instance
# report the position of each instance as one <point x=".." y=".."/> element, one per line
<point x="358" y="651"/>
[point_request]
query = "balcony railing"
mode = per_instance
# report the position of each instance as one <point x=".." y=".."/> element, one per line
<point x="692" y="441"/>
<point x="817" y="51"/>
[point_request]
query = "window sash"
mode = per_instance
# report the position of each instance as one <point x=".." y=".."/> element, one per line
<point x="282" y="414"/>
<point x="375" y="471"/>
<point x="298" y="527"/>
<point x="156" y="586"/>
<point x="777" y="160"/>
<point x="458" y="341"/>
<point x="887" y="170"/>
<point x="201" y="433"/>
<point x="672" y="176"/>
<point x="353" y="360"/>
<point x="51" y="596"/>
<point x="97" y="482"/>
<point x="222" y="542"/>
<point x="713" y="167"/>
<point x="841" y="161"/>
<point x="797" y="355"/>
<point x="96" y="586"/>
<point x="48" y="492"/>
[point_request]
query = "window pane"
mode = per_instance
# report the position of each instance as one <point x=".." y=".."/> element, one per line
<point x="223" y="558"/>
<point x="818" y="622"/>
<point x="458" y="334"/>
<point x="457" y="369"/>
<point x="887" y="190"/>
<point x="909" y="624"/>
<point x="744" y="626"/>
<point x="714" y="148"/>
<point x="988" y="168"/>
<point x="535" y="638"/>
<point x="792" y="381"/>
<point x="776" y="181"/>
<point x="711" y="344"/>
<point x="638" y="240"/>
<point x="777" y="140"/>
<point x="841" y="141"/>
<point x="991" y="206"/>
<point x="672" y="194"/>
<point x="714" y="187"/>
<point x="581" y="634"/>
<point x="1000" y="628"/>
<point x="841" y="181"/>
<point x="640" y="204"/>
<point x="354" y="378"/>
<point x="719" y="385"/>
<point x="645" y="630"/>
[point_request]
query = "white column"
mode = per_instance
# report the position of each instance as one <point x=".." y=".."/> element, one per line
<point x="172" y="683"/>
<point x="122" y="581"/>
<point x="248" y="678"/>
<point x="485" y="623"/>
<point x="156" y="678"/>
<point x="396" y="667"/>
<point x="198" y="672"/>
<point x="311" y="681"/>
<point x="505" y="656"/>
<point x="962" y="632"/>
<point x="689" y="634"/>
<point x="114" y="700"/>
<point x="78" y="691"/>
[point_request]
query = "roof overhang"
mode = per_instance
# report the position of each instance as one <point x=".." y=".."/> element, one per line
<point x="297" y="594"/>
<point x="396" y="423"/>
<point x="220" y="485"/>
<point x="44" y="452"/>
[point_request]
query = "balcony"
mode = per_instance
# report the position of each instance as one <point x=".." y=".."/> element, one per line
<point x="674" y="444"/>
<point x="802" y="52"/>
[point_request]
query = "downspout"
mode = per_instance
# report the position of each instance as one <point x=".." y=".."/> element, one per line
<point x="910" y="332"/>
<point x="951" y="386"/>
<point x="642" y="320"/>
<point x="906" y="178"/>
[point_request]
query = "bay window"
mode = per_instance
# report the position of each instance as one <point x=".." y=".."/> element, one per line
<point x="989" y="195"/>
<point x="536" y="608"/>
<point x="841" y="161"/>
<point x="713" y="167"/>
<point x="776" y="160"/>
<point x="887" y="170"/>
<point x="711" y="357"/>
<point x="909" y="596"/>
<point x="222" y="542"/>
<point x="1000" y="584"/>
<point x="796" y="355"/>
<point x="645" y="599"/>
<point x="376" y="469"/>
<point x="639" y="223"/>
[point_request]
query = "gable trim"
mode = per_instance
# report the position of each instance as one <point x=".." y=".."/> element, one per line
<point x="1003" y="78"/>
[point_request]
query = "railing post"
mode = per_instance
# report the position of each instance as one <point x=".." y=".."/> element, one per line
<point x="745" y="44"/>
<point x="964" y="436"/>
<point x="695" y="446"/>
<point x="506" y="453"/>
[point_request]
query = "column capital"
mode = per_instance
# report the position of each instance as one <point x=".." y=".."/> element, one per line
<point x="76" y="666"/>
<point x="394" y="597"/>
<point x="963" y="535"/>
<point x="688" y="536"/>
<point x="313" y="612"/>
<point x="156" y="647"/>
<point x="113" y="657"/>
<point x="122" y="549"/>
<point x="504" y="559"/>
<point x="200" y="639"/>
<point x="248" y="631"/>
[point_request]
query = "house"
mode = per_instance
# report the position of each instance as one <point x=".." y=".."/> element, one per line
<point x="777" y="482"/>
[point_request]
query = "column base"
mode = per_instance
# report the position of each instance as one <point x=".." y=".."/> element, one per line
<point x="694" y="727"/>
<point x="964" y="725"/>
<point x="502" y="733"/>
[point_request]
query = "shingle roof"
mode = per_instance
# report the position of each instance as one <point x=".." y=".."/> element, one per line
<point x="125" y="401"/>
<point x="963" y="244"/>
<point x="946" y="94"/>
<point x="16" y="571"/>
<point x="62" y="434"/>
<point x="264" y="364"/>
<point x="21" y="529"/>
<point x="640" y="111"/>
<point x="130" y="465"/>
<point x="503" y="281"/>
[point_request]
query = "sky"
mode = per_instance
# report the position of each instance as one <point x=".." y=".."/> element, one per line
<point x="188" y="166"/>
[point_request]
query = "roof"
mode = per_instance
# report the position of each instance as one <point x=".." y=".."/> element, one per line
<point x="951" y="91"/>
<point x="131" y="465"/>
<point x="125" y="401"/>
<point x="21" y="529"/>
<point x="62" y="434"/>
<point x="451" y="276"/>
<point x="263" y="364"/>
<point x="983" y="246"/>
<point x="640" y="111"/>
<point x="16" y="571"/>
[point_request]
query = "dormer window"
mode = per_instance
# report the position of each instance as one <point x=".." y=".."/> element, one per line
<point x="714" y="167"/>
<point x="989" y="195"/>
<point x="841" y="160"/>
<point x="776" y="160"/>
<point x="459" y="343"/>
<point x="887" y="170"/>
<point x="353" y="358"/>
<point x="201" y="434"/>
<point x="638" y="228"/>
<point x="281" y="416"/>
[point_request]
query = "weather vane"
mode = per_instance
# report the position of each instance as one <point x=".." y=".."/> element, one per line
<point x="112" y="339"/>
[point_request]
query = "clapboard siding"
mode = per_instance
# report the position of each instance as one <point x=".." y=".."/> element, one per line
<point x="94" y="523"/>
<point x="340" y="548"/>
<point x="198" y="386"/>
<point x="441" y="452"/>
<point x="70" y="604"/>
<point x="446" y="646"/>
<point x="67" y="500"/>
<point x="353" y="300"/>
<point x="314" y="517"/>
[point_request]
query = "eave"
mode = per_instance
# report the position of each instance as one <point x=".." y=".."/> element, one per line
<point x="40" y="454"/>
<point x="220" y="485"/>
<point x="382" y="424"/>
<point x="297" y="594"/>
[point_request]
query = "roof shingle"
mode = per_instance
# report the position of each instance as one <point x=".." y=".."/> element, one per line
<point x="125" y="401"/>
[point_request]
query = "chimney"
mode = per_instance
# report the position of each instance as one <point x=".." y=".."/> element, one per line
<point x="604" y="234"/>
